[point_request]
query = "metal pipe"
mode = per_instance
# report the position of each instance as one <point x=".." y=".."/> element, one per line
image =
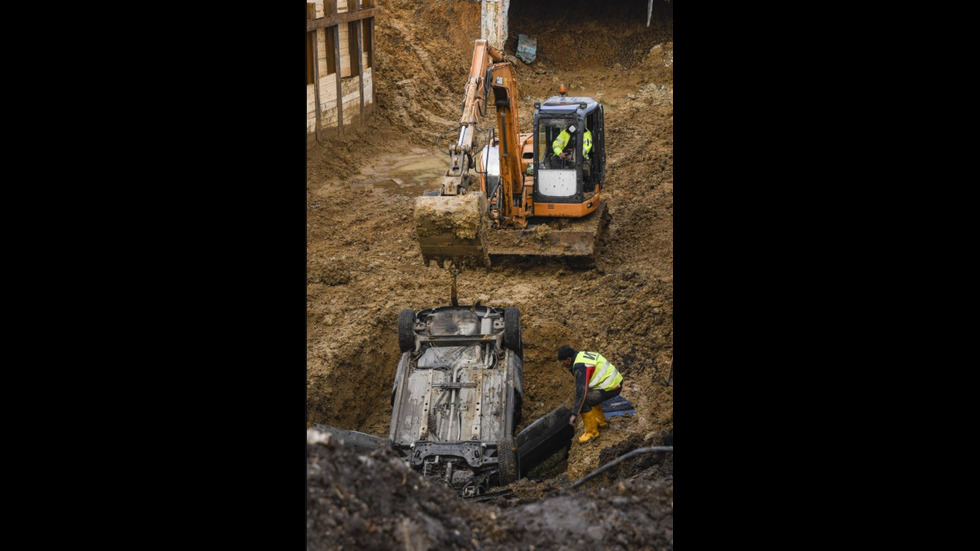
<point x="459" y="431"/>
<point x="452" y="406"/>
<point x="620" y="459"/>
<point x="454" y="397"/>
<point x="458" y="391"/>
<point x="460" y="139"/>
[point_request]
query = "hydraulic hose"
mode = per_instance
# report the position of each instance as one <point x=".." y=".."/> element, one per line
<point x="620" y="459"/>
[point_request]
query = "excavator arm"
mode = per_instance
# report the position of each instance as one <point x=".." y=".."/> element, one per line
<point x="452" y="224"/>
<point x="457" y="178"/>
<point x="511" y="210"/>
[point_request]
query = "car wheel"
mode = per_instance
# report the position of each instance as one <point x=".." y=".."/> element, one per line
<point x="507" y="465"/>
<point x="512" y="329"/>
<point x="406" y="330"/>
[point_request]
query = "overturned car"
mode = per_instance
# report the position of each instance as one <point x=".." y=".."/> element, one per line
<point x="456" y="398"/>
<point x="456" y="401"/>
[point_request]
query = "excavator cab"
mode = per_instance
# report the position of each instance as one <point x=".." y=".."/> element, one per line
<point x="563" y="183"/>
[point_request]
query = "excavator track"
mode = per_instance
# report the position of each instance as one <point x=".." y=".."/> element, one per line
<point x="569" y="238"/>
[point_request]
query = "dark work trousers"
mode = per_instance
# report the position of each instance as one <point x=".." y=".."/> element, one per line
<point x="596" y="396"/>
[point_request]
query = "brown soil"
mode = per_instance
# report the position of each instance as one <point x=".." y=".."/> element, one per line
<point x="364" y="262"/>
<point x="375" y="501"/>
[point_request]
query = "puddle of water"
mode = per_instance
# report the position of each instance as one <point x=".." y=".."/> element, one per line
<point x="404" y="175"/>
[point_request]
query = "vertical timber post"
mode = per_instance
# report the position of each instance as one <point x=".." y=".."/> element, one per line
<point x="340" y="93"/>
<point x="374" y="62"/>
<point x="316" y="82"/>
<point x="360" y="60"/>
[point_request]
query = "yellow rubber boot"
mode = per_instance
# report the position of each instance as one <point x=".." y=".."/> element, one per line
<point x="600" y="416"/>
<point x="591" y="427"/>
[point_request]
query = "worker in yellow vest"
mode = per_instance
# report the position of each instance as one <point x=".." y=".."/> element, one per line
<point x="586" y="162"/>
<point x="596" y="380"/>
<point x="562" y="142"/>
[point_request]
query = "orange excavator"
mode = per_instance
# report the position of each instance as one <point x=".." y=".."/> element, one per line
<point x="534" y="194"/>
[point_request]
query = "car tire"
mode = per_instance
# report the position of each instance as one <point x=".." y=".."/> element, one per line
<point x="512" y="330"/>
<point x="508" y="468"/>
<point x="406" y="330"/>
<point x="550" y="466"/>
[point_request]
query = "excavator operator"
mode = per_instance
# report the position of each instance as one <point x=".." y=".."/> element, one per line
<point x="563" y="147"/>
<point x="586" y="163"/>
<point x="562" y="142"/>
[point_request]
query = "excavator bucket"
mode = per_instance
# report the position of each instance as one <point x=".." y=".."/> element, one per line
<point x="570" y="238"/>
<point x="453" y="228"/>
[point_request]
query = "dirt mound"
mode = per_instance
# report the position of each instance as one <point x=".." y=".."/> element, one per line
<point x="582" y="33"/>
<point x="374" y="501"/>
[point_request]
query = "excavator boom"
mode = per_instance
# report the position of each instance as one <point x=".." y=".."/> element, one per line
<point x="451" y="224"/>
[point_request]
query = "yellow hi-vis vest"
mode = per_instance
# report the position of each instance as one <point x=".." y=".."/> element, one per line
<point x="604" y="375"/>
<point x="560" y="142"/>
<point x="586" y="143"/>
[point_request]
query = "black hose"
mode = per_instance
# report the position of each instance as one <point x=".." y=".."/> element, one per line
<point x="439" y="137"/>
<point x="487" y="77"/>
<point x="482" y="111"/>
<point x="620" y="459"/>
<point x="478" y="147"/>
<point x="493" y="193"/>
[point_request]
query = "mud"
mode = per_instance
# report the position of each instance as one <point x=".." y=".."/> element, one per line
<point x="365" y="265"/>
<point x="572" y="239"/>
<point x="452" y="227"/>
<point x="407" y="175"/>
<point x="374" y="501"/>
